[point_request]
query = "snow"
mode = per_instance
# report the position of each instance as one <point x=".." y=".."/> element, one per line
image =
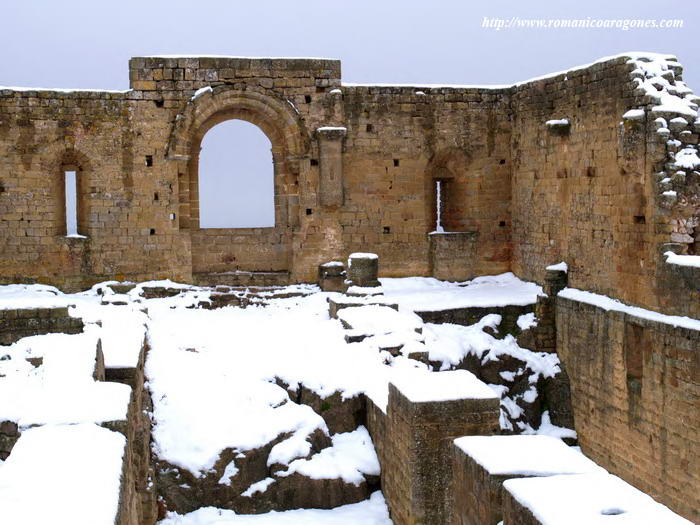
<point x="201" y="91"/>
<point x="525" y="455"/>
<point x="443" y="386"/>
<point x="560" y="267"/>
<point x="17" y="296"/>
<point x="438" y="206"/>
<point x="426" y="86"/>
<point x="229" y="472"/>
<point x="62" y="390"/>
<point x="421" y="294"/>
<point x="377" y="319"/>
<point x="452" y="343"/>
<point x="76" y="236"/>
<point x="557" y="122"/>
<point x="687" y="158"/>
<point x="634" y="114"/>
<point x="62" y="474"/>
<point x="683" y="260"/>
<point x="526" y="321"/>
<point x="64" y="90"/>
<point x="588" y="499"/>
<point x="365" y="290"/>
<point x="547" y="428"/>
<point x="370" y="512"/>
<point x="650" y="69"/>
<point x="123" y="331"/>
<point x="259" y="486"/>
<point x="609" y="304"/>
<point x="332" y="128"/>
<point x="361" y="255"/>
<point x="350" y="458"/>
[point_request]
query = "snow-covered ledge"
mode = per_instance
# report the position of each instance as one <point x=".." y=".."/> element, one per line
<point x="682" y="260"/>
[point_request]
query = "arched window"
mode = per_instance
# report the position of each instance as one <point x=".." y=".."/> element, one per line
<point x="236" y="177"/>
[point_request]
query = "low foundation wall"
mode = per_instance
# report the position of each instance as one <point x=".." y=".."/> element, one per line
<point x="635" y="386"/>
<point x="19" y="323"/>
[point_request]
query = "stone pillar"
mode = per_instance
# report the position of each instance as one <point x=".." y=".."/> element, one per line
<point x="363" y="269"/>
<point x="556" y="279"/>
<point x="330" y="146"/>
<point x="331" y="276"/>
<point x="425" y="413"/>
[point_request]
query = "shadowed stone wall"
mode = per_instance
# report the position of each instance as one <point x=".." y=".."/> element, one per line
<point x="635" y="392"/>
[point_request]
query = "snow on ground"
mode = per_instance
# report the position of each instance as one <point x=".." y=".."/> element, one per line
<point x="370" y="512"/>
<point x="377" y="320"/>
<point x="62" y="474"/>
<point x="351" y="456"/>
<point x="14" y="296"/>
<point x="233" y="356"/>
<point x="123" y="331"/>
<point x="450" y="344"/>
<point x="428" y="294"/>
<point x="219" y="378"/>
<point x="61" y="390"/>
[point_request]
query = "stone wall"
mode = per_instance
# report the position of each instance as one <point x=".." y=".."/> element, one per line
<point x="367" y="183"/>
<point x="355" y="167"/>
<point x="635" y="387"/>
<point x="589" y="193"/>
<point x="18" y="323"/>
<point x="416" y="452"/>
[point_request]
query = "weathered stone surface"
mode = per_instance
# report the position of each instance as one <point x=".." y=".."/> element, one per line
<point x="18" y="323"/>
<point x="416" y="454"/>
<point x="471" y="315"/>
<point x="635" y="398"/>
<point x="363" y="269"/>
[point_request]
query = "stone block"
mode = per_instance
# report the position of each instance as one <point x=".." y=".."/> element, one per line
<point x="581" y="498"/>
<point x="482" y="463"/>
<point x="425" y="413"/>
<point x="331" y="276"/>
<point x="363" y="269"/>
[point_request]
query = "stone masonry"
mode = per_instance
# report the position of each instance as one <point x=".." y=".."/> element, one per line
<point x="585" y="166"/>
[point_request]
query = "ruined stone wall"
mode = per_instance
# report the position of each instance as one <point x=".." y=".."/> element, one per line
<point x="366" y="182"/>
<point x="589" y="193"/>
<point x="578" y="195"/>
<point x="43" y="134"/>
<point x="635" y="387"/>
<point x="399" y="141"/>
<point x="24" y="322"/>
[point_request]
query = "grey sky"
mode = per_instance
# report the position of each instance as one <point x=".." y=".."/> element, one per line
<point x="81" y="43"/>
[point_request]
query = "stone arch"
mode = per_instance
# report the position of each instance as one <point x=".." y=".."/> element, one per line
<point x="275" y="116"/>
<point x="278" y="119"/>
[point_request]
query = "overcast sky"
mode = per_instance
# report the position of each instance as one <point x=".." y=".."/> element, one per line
<point x="86" y="44"/>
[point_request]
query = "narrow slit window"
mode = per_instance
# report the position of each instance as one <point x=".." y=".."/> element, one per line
<point x="439" y="201"/>
<point x="71" y="204"/>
